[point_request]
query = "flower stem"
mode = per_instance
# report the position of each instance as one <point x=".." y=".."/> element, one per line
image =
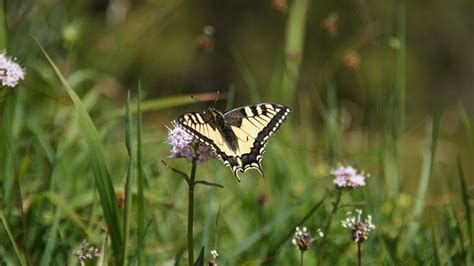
<point x="328" y="225"/>
<point x="301" y="259"/>
<point x="359" y="254"/>
<point x="191" y="212"/>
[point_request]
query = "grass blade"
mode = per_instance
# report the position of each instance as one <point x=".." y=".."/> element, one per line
<point x="128" y="182"/>
<point x="247" y="76"/>
<point x="467" y="126"/>
<point x="20" y="257"/>
<point x="69" y="212"/>
<point x="428" y="159"/>
<point x="97" y="158"/>
<point x="200" y="259"/>
<point x="3" y="25"/>
<point x="294" y="44"/>
<point x="51" y="243"/>
<point x="467" y="208"/>
<point x="140" y="183"/>
<point x="162" y="103"/>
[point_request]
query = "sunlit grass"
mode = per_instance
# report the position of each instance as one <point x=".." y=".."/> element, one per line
<point x="81" y="153"/>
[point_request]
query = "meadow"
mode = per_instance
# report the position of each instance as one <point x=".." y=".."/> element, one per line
<point x="381" y="128"/>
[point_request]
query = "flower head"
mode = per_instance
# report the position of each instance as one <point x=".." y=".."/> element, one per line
<point x="352" y="60"/>
<point x="11" y="72"/>
<point x="347" y="177"/>
<point x="184" y="145"/>
<point x="359" y="229"/>
<point x="330" y="24"/>
<point x="214" y="255"/>
<point x="303" y="240"/>
<point x="205" y="40"/>
<point x="87" y="252"/>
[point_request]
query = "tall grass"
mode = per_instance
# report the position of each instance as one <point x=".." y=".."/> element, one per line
<point x="74" y="147"/>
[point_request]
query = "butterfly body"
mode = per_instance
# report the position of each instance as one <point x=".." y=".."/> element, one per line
<point x="239" y="136"/>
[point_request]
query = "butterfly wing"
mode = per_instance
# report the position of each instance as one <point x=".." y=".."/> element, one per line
<point x="203" y="127"/>
<point x="253" y="125"/>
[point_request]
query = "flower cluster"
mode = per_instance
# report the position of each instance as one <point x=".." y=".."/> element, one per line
<point x="214" y="255"/>
<point x="360" y="229"/>
<point x="330" y="24"/>
<point x="303" y="239"/>
<point x="184" y="145"/>
<point x="11" y="72"/>
<point x="86" y="253"/>
<point x="347" y="177"/>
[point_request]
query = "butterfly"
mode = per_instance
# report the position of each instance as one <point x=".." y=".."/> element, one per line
<point x="239" y="136"/>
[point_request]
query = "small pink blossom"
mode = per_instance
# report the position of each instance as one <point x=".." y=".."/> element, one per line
<point x="347" y="177"/>
<point x="11" y="73"/>
<point x="182" y="144"/>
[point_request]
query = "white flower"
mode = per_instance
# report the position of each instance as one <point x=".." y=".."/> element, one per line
<point x="303" y="239"/>
<point x="87" y="252"/>
<point x="359" y="229"/>
<point x="11" y="73"/>
<point x="214" y="253"/>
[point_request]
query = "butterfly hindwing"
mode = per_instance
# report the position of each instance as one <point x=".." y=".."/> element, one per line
<point x="239" y="136"/>
<point x="253" y="125"/>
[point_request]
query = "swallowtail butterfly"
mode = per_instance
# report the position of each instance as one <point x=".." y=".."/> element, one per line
<point x="238" y="136"/>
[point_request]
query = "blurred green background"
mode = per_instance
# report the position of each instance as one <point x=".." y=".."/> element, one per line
<point x="385" y="86"/>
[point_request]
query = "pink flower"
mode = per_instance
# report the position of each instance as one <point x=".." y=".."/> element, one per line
<point x="182" y="144"/>
<point x="11" y="73"/>
<point x="347" y="177"/>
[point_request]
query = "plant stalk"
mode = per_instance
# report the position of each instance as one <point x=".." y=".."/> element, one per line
<point x="328" y="226"/>
<point x="359" y="254"/>
<point x="301" y="258"/>
<point x="191" y="212"/>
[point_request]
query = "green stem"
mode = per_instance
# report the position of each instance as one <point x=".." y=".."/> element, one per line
<point x="191" y="213"/>
<point x="3" y="25"/>
<point x="359" y="254"/>
<point x="328" y="225"/>
<point x="294" y="46"/>
<point x="301" y="258"/>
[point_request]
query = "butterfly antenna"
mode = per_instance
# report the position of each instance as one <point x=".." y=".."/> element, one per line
<point x="217" y="98"/>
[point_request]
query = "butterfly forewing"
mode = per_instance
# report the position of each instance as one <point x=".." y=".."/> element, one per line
<point x="251" y="126"/>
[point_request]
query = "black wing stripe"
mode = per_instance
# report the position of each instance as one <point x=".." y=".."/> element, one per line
<point x="266" y="118"/>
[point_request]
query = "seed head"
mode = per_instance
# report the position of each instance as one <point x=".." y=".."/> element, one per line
<point x="359" y="229"/>
<point x="87" y="252"/>
<point x="303" y="240"/>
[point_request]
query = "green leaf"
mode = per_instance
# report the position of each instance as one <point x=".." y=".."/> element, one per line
<point x="182" y="174"/>
<point x="140" y="184"/>
<point x="206" y="183"/>
<point x="19" y="256"/>
<point x="128" y="182"/>
<point x="69" y="212"/>
<point x="428" y="159"/>
<point x="102" y="177"/>
<point x="162" y="103"/>
<point x="467" y="207"/>
<point x="51" y="242"/>
<point x="3" y="25"/>
<point x="200" y="259"/>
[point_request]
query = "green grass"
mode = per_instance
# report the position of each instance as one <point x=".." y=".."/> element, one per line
<point x="79" y="137"/>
